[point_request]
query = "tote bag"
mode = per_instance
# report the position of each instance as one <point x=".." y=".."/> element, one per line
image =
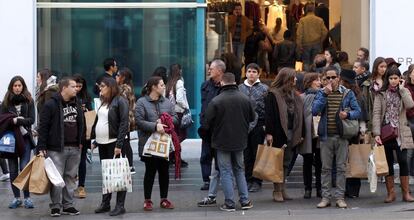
<point x="116" y="175"/>
<point x="358" y="155"/>
<point x="269" y="164"/>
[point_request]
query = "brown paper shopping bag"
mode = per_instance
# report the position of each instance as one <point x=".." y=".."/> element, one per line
<point x="39" y="182"/>
<point x="269" y="164"/>
<point x="22" y="180"/>
<point x="358" y="155"/>
<point x="380" y="160"/>
<point x="90" y="119"/>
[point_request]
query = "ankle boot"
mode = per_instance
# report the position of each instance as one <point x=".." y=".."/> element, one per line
<point x="277" y="192"/>
<point x="405" y="188"/>
<point x="120" y="201"/>
<point x="105" y="204"/>
<point x="389" y="183"/>
<point x="284" y="193"/>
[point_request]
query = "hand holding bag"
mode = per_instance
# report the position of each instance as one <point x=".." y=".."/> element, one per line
<point x="53" y="174"/>
<point x="116" y="175"/>
<point x="269" y="164"/>
<point x="158" y="145"/>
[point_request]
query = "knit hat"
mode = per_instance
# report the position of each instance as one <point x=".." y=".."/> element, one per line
<point x="348" y="76"/>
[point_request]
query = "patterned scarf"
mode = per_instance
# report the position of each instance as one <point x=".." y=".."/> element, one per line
<point x="167" y="120"/>
<point x="393" y="103"/>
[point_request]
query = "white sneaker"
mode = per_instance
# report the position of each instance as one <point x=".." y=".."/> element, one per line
<point x="5" y="177"/>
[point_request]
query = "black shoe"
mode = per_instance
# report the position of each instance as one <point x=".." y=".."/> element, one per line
<point x="255" y="187"/>
<point x="207" y="202"/>
<point x="247" y="205"/>
<point x="319" y="193"/>
<point x="70" y="211"/>
<point x="133" y="170"/>
<point x="308" y="194"/>
<point x="227" y="208"/>
<point x="184" y="164"/>
<point x="206" y="186"/>
<point x="55" y="212"/>
<point x="103" y="208"/>
<point x="117" y="211"/>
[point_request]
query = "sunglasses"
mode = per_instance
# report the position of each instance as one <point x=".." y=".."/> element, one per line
<point x="330" y="77"/>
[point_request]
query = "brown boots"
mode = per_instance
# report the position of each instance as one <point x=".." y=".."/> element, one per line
<point x="279" y="193"/>
<point x="405" y="189"/>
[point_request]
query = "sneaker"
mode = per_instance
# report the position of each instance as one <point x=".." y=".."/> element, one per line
<point x="70" y="211"/>
<point x="166" y="204"/>
<point x="205" y="186"/>
<point x="147" y="205"/>
<point x="5" y="177"/>
<point x="15" y="203"/>
<point x="81" y="192"/>
<point x="340" y="203"/>
<point x="324" y="203"/>
<point x="55" y="212"/>
<point x="247" y="205"/>
<point x="28" y="203"/>
<point x="133" y="170"/>
<point x="207" y="202"/>
<point x="89" y="156"/>
<point x="227" y="208"/>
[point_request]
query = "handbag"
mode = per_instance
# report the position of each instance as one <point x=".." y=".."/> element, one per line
<point x="186" y="120"/>
<point x="8" y="142"/>
<point x="358" y="155"/>
<point x="89" y="119"/>
<point x="269" y="164"/>
<point x="53" y="174"/>
<point x="116" y="175"/>
<point x="388" y="132"/>
<point x="158" y="145"/>
<point x="347" y="128"/>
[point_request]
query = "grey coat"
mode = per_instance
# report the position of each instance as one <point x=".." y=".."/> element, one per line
<point x="147" y="112"/>
<point x="306" y="147"/>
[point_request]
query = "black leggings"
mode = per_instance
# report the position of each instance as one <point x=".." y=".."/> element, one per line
<point x="310" y="160"/>
<point x="401" y="156"/>
<point x="152" y="165"/>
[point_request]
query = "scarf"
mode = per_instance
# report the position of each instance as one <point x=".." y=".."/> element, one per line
<point x="167" y="120"/>
<point x="393" y="103"/>
<point x="49" y="83"/>
<point x="361" y="78"/>
<point x="17" y="99"/>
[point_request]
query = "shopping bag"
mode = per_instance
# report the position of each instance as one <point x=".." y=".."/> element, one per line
<point x="53" y="174"/>
<point x="158" y="145"/>
<point x="22" y="180"/>
<point x="39" y="183"/>
<point x="358" y="155"/>
<point x="380" y="160"/>
<point x="116" y="175"/>
<point x="315" y="122"/>
<point x="372" y="174"/>
<point x="90" y="119"/>
<point x="7" y="142"/>
<point x="269" y="164"/>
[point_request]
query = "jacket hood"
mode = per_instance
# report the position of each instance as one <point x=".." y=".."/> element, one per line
<point x="246" y="82"/>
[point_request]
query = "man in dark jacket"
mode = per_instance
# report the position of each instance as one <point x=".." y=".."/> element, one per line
<point x="60" y="135"/>
<point x="209" y="90"/>
<point x="229" y="138"/>
<point x="284" y="53"/>
<point x="111" y="68"/>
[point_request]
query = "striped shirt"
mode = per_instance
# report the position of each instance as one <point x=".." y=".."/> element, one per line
<point x="334" y="100"/>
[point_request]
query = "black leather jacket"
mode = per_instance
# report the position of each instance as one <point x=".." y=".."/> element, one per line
<point x="118" y="121"/>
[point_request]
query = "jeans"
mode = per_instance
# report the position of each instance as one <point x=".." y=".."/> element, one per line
<point x="390" y="146"/>
<point x="214" y="181"/>
<point x="308" y="55"/>
<point x="309" y="160"/>
<point x="152" y="165"/>
<point x="15" y="167"/>
<point x="238" y="50"/>
<point x="3" y="165"/>
<point x="205" y="160"/>
<point x="256" y="137"/>
<point x="82" y="164"/>
<point x="231" y="164"/>
<point x="67" y="163"/>
<point x="338" y="147"/>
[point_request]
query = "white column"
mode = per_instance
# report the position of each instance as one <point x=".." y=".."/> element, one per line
<point x="17" y="41"/>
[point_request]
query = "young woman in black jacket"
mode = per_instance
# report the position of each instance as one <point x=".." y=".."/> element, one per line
<point x="19" y="101"/>
<point x="109" y="131"/>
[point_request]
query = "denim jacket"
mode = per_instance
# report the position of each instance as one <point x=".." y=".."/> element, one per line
<point x="320" y="106"/>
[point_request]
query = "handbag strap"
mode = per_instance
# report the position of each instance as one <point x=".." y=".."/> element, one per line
<point x="343" y="97"/>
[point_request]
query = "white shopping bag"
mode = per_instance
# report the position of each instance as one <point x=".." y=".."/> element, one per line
<point x="372" y="173"/>
<point x="116" y="175"/>
<point x="158" y="145"/>
<point x="53" y="174"/>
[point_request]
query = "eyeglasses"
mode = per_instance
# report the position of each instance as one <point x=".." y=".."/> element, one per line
<point x="330" y="77"/>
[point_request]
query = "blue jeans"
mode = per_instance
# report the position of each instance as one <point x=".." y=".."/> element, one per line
<point x="238" y="50"/>
<point x="214" y="180"/>
<point x="205" y="161"/>
<point x="309" y="53"/>
<point x="231" y="163"/>
<point x="15" y="167"/>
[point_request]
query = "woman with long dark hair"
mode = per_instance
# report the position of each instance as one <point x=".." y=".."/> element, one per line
<point x="278" y="31"/>
<point x="19" y="102"/>
<point x="331" y="57"/>
<point x="46" y="86"/>
<point x="109" y="131"/>
<point x="126" y="87"/>
<point x="284" y="121"/>
<point x="378" y="75"/>
<point x="86" y="102"/>
<point x="389" y="117"/>
<point x="176" y="93"/>
<point x="147" y="114"/>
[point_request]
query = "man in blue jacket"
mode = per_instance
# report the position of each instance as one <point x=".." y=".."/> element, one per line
<point x="327" y="103"/>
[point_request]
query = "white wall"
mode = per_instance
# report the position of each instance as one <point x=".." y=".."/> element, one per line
<point x="392" y="32"/>
<point x="17" y="42"/>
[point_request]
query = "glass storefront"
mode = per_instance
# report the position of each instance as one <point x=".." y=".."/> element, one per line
<point x="77" y="40"/>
